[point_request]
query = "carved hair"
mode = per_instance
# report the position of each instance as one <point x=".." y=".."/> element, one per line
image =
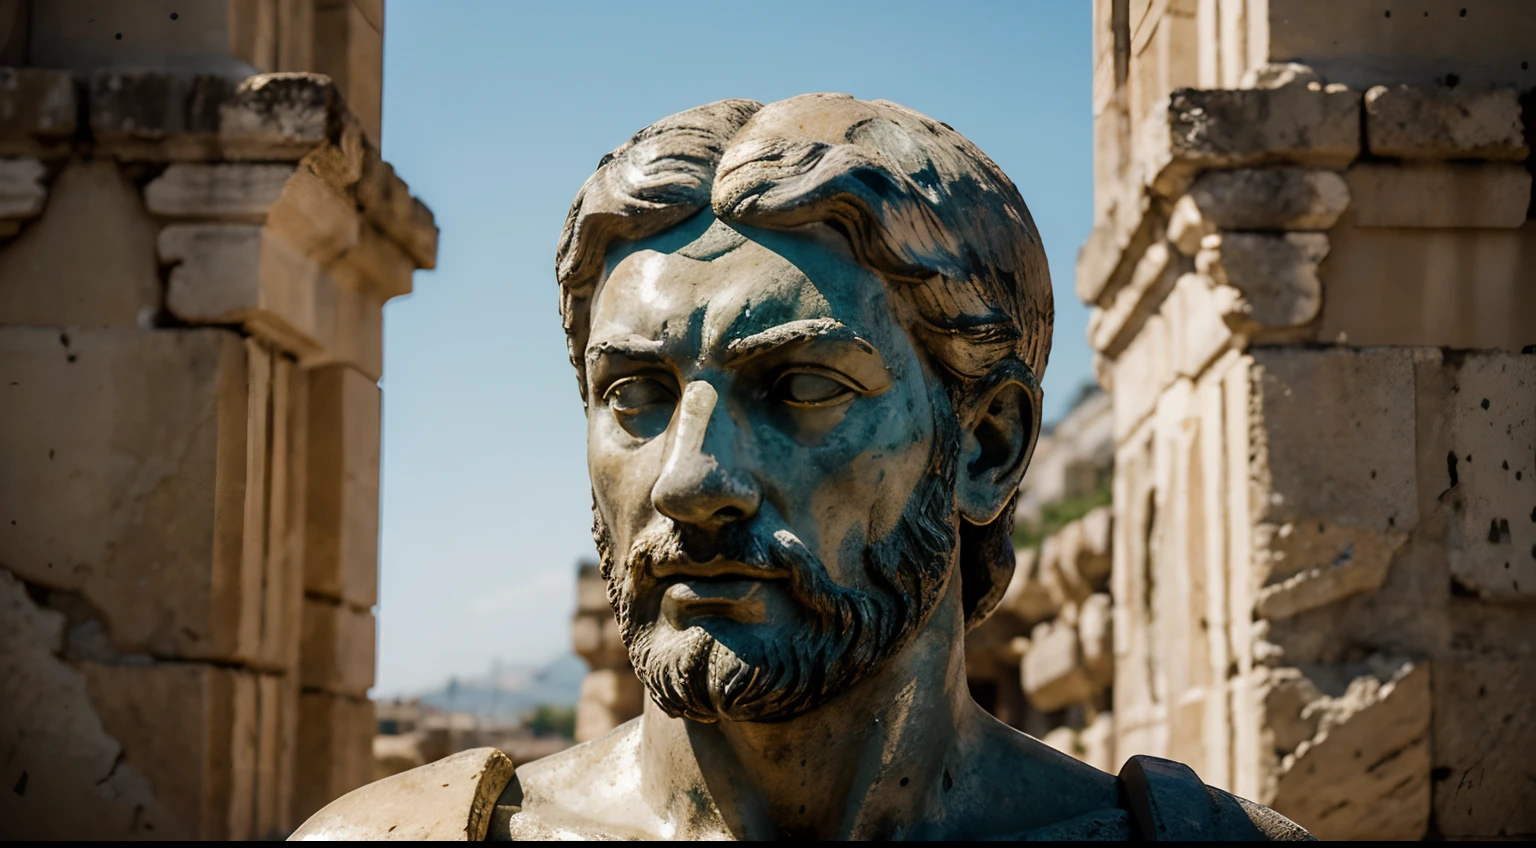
<point x="918" y="203"/>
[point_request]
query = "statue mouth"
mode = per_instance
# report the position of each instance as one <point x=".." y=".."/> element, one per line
<point x="687" y="599"/>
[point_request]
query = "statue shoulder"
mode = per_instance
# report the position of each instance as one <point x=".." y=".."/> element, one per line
<point x="1169" y="802"/>
<point x="451" y="799"/>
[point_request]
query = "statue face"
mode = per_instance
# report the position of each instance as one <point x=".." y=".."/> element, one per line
<point x="772" y="467"/>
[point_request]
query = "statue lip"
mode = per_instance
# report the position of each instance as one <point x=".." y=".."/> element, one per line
<point x="718" y="568"/>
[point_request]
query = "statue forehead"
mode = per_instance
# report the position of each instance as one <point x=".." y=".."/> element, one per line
<point x="732" y="281"/>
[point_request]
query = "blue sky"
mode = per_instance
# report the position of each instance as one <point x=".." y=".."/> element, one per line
<point x="495" y="112"/>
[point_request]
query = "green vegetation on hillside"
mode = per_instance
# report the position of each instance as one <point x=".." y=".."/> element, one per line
<point x="1057" y="515"/>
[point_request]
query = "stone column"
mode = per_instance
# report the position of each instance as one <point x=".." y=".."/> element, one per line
<point x="610" y="693"/>
<point x="194" y="258"/>
<point x="1311" y="277"/>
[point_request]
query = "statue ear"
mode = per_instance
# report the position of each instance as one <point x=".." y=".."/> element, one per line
<point x="999" y="423"/>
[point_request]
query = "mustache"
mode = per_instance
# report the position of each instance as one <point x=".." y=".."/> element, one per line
<point x="753" y="549"/>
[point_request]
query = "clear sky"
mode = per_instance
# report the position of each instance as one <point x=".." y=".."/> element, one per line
<point x="495" y="112"/>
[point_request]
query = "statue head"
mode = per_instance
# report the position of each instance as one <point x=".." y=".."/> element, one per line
<point x="809" y="338"/>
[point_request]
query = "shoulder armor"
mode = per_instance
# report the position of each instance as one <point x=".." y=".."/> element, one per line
<point x="452" y="799"/>
<point x="1169" y="802"/>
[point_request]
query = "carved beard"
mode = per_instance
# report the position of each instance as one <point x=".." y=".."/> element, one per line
<point x="850" y="632"/>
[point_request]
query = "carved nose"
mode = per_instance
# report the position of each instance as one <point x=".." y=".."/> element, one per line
<point x="694" y="487"/>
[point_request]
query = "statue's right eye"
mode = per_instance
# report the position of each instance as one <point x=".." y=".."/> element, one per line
<point x="642" y="405"/>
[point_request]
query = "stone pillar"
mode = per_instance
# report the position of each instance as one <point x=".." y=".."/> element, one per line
<point x="193" y="265"/>
<point x="610" y="693"/>
<point x="1311" y="278"/>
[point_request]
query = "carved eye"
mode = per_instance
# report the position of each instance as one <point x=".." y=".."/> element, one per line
<point x="643" y="406"/>
<point x="811" y="388"/>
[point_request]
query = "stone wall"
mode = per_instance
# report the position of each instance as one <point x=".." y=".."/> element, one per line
<point x="193" y="265"/>
<point x="1313" y="275"/>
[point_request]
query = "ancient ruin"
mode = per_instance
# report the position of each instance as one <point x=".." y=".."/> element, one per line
<point x="195" y="246"/>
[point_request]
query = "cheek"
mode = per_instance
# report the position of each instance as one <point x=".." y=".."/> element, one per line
<point x="622" y="474"/>
<point x="851" y="490"/>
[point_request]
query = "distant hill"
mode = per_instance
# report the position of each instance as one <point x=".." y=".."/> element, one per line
<point x="511" y="690"/>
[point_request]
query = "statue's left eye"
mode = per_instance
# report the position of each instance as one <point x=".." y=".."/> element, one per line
<point x="809" y="388"/>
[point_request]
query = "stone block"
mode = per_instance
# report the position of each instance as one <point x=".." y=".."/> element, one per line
<point x="350" y="50"/>
<point x="1423" y="43"/>
<point x="1331" y="474"/>
<point x="338" y="648"/>
<point x="283" y="577"/>
<point x="1195" y="130"/>
<point x="1268" y="199"/>
<point x="342" y="533"/>
<point x="257" y="277"/>
<point x="1491" y="469"/>
<point x="21" y="188"/>
<point x="1058" y="572"/>
<point x="156" y="116"/>
<point x="192" y="730"/>
<point x="221" y="36"/>
<point x="1196" y="312"/>
<point x="231" y="192"/>
<point x="1140" y="375"/>
<point x="37" y="110"/>
<point x="128" y="459"/>
<point x="1365" y="774"/>
<point x="1106" y="259"/>
<point x="334" y="750"/>
<point x="1094" y="554"/>
<point x="1275" y="276"/>
<point x="1096" y="743"/>
<point x="67" y="773"/>
<point x="591" y="590"/>
<point x="388" y="203"/>
<point x="1483" y="737"/>
<point x="609" y="697"/>
<point x="1411" y="122"/>
<point x="1052" y="671"/>
<point x="1439" y="196"/>
<point x="277" y="117"/>
<point x="1111" y="329"/>
<point x="45" y="276"/>
<point x="1095" y="633"/>
<point x="273" y="775"/>
<point x="1465" y="289"/>
<point x="1026" y="596"/>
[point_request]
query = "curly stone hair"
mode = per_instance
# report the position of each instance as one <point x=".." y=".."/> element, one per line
<point x="918" y="203"/>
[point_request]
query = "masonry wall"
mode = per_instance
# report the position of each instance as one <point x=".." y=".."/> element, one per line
<point x="1313" y="275"/>
<point x="193" y="263"/>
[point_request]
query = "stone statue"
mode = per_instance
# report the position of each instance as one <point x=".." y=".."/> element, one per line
<point x="809" y="337"/>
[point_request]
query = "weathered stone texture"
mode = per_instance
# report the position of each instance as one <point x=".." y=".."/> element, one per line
<point x="1465" y="289"/>
<point x="38" y="111"/>
<point x="45" y="276"/>
<point x="1491" y="540"/>
<point x="1365" y="767"/>
<point x="341" y="553"/>
<point x="67" y="773"/>
<point x="1332" y="475"/>
<point x="1303" y="125"/>
<point x="1411" y="122"/>
<point x="1482" y="740"/>
<point x="338" y="651"/>
<point x="1445" y="196"/>
<point x="21" y="188"/>
<point x="1275" y="276"/>
<point x="1268" y="199"/>
<point x="334" y="750"/>
<point x="609" y="697"/>
<point x="127" y="457"/>
<point x="1053" y="672"/>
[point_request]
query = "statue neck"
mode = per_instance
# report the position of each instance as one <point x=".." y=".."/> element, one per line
<point x="875" y="762"/>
